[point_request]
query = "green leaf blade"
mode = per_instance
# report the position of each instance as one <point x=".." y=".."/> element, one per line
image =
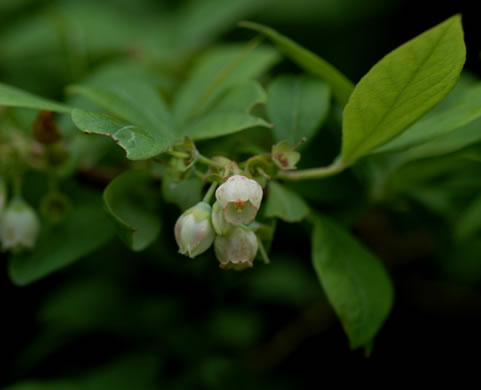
<point x="354" y="280"/>
<point x="340" y="85"/>
<point x="297" y="106"/>
<point x="139" y="226"/>
<point x="229" y="113"/>
<point x="467" y="109"/>
<point x="138" y="143"/>
<point x="285" y="204"/>
<point x="15" y="97"/>
<point x="401" y="87"/>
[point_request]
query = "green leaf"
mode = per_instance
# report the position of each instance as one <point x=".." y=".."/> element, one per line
<point x="354" y="280"/>
<point x="341" y="86"/>
<point x="216" y="71"/>
<point x="297" y="106"/>
<point x="138" y="143"/>
<point x="469" y="222"/>
<point x="84" y="230"/>
<point x="127" y="199"/>
<point x="466" y="109"/>
<point x="401" y="87"/>
<point x="229" y="113"/>
<point x="134" y="101"/>
<point x="285" y="204"/>
<point x="445" y="144"/>
<point x="184" y="193"/>
<point x="15" y="97"/>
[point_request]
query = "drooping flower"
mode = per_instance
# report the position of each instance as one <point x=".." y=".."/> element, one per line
<point x="240" y="199"/>
<point x="236" y="250"/>
<point x="19" y="226"/>
<point x="194" y="232"/>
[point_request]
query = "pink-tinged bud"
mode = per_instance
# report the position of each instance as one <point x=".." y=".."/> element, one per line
<point x="19" y="226"/>
<point x="240" y="199"/>
<point x="221" y="226"/>
<point x="237" y="250"/>
<point x="194" y="232"/>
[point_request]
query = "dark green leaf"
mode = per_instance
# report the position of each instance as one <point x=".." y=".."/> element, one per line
<point x="83" y="231"/>
<point x="401" y="87"/>
<point x="353" y="279"/>
<point x="285" y="204"/>
<point x="127" y="200"/>
<point x="341" y="86"/>
<point x="184" y="193"/>
<point x="297" y="106"/>
<point x="229" y="113"/>
<point x="469" y="222"/>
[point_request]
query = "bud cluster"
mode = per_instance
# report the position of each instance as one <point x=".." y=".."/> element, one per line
<point x="224" y="224"/>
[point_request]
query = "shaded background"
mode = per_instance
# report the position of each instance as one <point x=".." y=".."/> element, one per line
<point x="157" y="320"/>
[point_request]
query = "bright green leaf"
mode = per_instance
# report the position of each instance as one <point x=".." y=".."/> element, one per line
<point x="15" y="97"/>
<point x="354" y="280"/>
<point x="83" y="231"/>
<point x="341" y="86"/>
<point x="127" y="200"/>
<point x="285" y="204"/>
<point x="297" y="106"/>
<point x="138" y="143"/>
<point x="401" y="87"/>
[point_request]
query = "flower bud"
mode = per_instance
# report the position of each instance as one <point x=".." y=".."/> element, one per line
<point x="19" y="226"/>
<point x="193" y="230"/>
<point x="240" y="199"/>
<point x="221" y="226"/>
<point x="237" y="250"/>
<point x="3" y="194"/>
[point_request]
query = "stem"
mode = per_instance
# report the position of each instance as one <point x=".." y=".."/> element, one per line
<point x="313" y="173"/>
<point x="263" y="251"/>
<point x="179" y="154"/>
<point x="207" y="161"/>
<point x="209" y="192"/>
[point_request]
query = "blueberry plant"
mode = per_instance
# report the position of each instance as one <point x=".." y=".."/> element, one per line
<point x="224" y="143"/>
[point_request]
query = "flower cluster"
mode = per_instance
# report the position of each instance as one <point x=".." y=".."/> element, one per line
<point x="224" y="224"/>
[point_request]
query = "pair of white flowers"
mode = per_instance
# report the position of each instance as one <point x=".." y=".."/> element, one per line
<point x="223" y="224"/>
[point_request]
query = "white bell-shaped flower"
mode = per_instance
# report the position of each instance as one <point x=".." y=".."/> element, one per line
<point x="236" y="250"/>
<point x="19" y="226"/>
<point x="194" y="232"/>
<point x="240" y="199"/>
